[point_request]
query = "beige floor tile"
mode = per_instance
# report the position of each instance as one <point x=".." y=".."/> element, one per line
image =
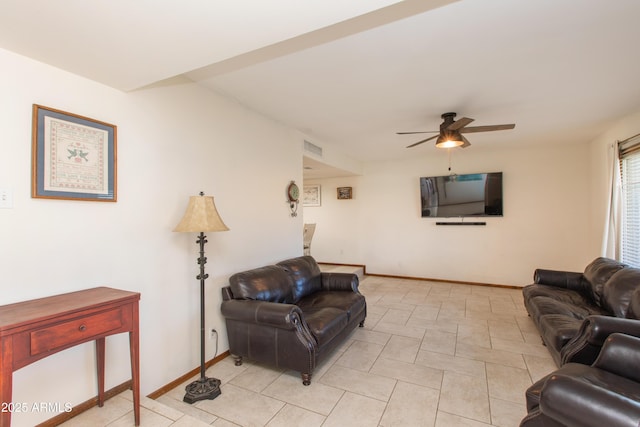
<point x="539" y="366"/>
<point x="445" y="362"/>
<point x="226" y="369"/>
<point x="408" y="372"/>
<point x="439" y="342"/>
<point x="411" y="405"/>
<point x="445" y="326"/>
<point x="187" y="409"/>
<point x="505" y="330"/>
<point x="360" y="355"/>
<point x="533" y="349"/>
<point x="465" y="396"/>
<point x="451" y="314"/>
<point x="223" y="423"/>
<point x="241" y="406"/>
<point x="187" y="421"/>
<point x="362" y="334"/>
<point x="323" y="367"/>
<point x="292" y="416"/>
<point x="317" y="397"/>
<point x="256" y="377"/>
<point x="402" y="330"/>
<point x="160" y="408"/>
<point x="490" y="355"/>
<point x="506" y="414"/>
<point x="450" y="420"/>
<point x="355" y="410"/>
<point x="364" y="383"/>
<point x="397" y="316"/>
<point x="401" y="348"/>
<point x="478" y="340"/>
<point x="507" y="383"/>
<point x="147" y="419"/>
<point x="415" y="297"/>
<point x="112" y="410"/>
<point x="478" y="303"/>
<point x="526" y="323"/>
<point x="425" y="312"/>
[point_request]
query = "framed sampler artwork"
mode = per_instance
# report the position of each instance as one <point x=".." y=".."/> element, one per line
<point x="311" y="195"/>
<point x="73" y="157"/>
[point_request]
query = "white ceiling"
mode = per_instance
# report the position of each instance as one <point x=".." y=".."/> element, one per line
<point x="352" y="73"/>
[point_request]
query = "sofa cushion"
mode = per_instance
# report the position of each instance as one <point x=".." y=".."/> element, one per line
<point x="325" y="322"/>
<point x="305" y="274"/>
<point x="598" y="273"/>
<point x="543" y="305"/>
<point x="616" y="293"/>
<point x="557" y="329"/>
<point x="559" y="294"/>
<point x="270" y="283"/>
<point x="350" y="302"/>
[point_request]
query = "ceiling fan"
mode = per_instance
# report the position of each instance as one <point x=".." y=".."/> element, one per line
<point x="450" y="133"/>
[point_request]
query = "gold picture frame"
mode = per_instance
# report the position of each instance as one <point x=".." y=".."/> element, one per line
<point x="73" y="157"/>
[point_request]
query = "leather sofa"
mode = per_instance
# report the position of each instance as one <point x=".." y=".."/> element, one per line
<point x="607" y="393"/>
<point x="291" y="315"/>
<point x="575" y="312"/>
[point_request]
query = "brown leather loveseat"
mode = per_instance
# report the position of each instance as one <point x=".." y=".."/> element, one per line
<point x="291" y="315"/>
<point x="576" y="312"/>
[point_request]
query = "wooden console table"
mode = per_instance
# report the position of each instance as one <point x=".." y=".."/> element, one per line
<point x="32" y="330"/>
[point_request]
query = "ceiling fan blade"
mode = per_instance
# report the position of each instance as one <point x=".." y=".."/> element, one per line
<point x="466" y="142"/>
<point x="424" y="140"/>
<point x="487" y="128"/>
<point x="413" y="133"/>
<point x="459" y="124"/>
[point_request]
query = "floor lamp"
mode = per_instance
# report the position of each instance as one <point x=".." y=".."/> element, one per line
<point x="201" y="215"/>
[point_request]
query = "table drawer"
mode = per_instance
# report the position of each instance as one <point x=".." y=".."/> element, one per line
<point x="75" y="331"/>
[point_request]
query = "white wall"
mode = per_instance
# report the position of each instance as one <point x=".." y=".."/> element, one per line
<point x="546" y="216"/>
<point x="173" y="141"/>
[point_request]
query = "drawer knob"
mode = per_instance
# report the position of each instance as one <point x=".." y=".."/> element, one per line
<point x="82" y="328"/>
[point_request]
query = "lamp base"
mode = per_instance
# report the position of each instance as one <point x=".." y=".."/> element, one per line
<point x="201" y="389"/>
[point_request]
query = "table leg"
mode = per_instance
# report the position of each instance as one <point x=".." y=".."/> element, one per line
<point x="134" y="348"/>
<point x="6" y="380"/>
<point x="100" y="347"/>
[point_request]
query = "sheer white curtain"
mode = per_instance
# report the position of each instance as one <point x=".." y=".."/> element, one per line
<point x="613" y="227"/>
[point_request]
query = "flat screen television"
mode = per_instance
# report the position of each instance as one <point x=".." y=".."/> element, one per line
<point x="474" y="195"/>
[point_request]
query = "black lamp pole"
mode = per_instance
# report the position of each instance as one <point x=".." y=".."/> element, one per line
<point x="202" y="388"/>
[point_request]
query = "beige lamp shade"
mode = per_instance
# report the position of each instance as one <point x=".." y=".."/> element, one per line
<point x="201" y="215"/>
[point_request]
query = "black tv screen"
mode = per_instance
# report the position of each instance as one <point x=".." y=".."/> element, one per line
<point x="477" y="194"/>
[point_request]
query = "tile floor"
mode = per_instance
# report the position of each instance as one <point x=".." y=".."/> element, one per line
<point x="430" y="354"/>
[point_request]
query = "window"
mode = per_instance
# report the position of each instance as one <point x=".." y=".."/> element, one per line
<point x="630" y="172"/>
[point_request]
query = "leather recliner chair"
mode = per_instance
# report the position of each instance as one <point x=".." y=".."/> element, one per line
<point x="606" y="393"/>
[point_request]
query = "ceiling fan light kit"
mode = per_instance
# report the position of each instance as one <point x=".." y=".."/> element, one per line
<point x="449" y="140"/>
<point x="450" y="134"/>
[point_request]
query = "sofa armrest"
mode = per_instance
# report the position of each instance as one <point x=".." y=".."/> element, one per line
<point x="598" y="328"/>
<point x="561" y="279"/>
<point x="620" y="355"/>
<point x="279" y="315"/>
<point x="571" y="401"/>
<point x="586" y="345"/>
<point x="340" y="282"/>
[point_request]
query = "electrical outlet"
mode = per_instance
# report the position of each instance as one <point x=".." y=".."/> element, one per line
<point x="213" y="333"/>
